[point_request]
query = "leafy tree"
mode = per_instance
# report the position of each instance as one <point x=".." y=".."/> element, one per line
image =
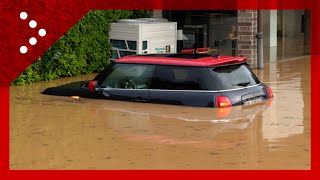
<point x="83" y="49"/>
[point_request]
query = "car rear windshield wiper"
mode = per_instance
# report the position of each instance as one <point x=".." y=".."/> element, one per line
<point x="242" y="84"/>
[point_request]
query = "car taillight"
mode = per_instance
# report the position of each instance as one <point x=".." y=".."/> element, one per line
<point x="270" y="92"/>
<point x="223" y="101"/>
<point x="92" y="86"/>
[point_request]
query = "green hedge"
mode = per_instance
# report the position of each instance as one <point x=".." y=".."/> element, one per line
<point x="83" y="49"/>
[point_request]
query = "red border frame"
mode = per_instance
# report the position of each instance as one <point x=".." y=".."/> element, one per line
<point x="11" y="59"/>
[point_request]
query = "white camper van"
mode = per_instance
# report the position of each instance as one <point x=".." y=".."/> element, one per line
<point x="142" y="36"/>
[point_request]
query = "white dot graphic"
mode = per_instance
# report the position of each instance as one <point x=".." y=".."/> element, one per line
<point x="42" y="32"/>
<point x="23" y="49"/>
<point x="23" y="15"/>
<point x="33" y="41"/>
<point x="33" y="24"/>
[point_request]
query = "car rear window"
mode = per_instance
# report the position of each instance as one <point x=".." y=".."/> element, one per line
<point x="233" y="77"/>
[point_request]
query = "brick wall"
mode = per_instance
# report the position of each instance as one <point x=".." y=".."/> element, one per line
<point x="247" y="30"/>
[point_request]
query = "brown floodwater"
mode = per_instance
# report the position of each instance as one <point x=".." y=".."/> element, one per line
<point x="51" y="132"/>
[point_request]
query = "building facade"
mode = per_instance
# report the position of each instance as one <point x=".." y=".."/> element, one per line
<point x="286" y="33"/>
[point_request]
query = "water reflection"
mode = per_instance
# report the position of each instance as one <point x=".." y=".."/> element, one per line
<point x="51" y="132"/>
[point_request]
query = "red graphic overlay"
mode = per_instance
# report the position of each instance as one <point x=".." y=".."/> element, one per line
<point x="57" y="16"/>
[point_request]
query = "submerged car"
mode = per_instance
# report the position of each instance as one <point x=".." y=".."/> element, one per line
<point x="200" y="80"/>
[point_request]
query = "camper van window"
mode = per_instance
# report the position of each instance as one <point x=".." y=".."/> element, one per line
<point x="132" y="45"/>
<point x="126" y="53"/>
<point x="120" y="44"/>
<point x="144" y="45"/>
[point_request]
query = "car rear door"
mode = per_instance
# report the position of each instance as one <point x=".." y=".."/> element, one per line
<point x="180" y="86"/>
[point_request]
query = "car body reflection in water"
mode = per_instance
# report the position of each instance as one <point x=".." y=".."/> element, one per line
<point x="202" y="123"/>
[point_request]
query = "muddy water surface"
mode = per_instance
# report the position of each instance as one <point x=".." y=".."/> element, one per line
<point x="50" y="132"/>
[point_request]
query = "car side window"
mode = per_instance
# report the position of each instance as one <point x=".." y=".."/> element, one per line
<point x="178" y="78"/>
<point x="129" y="76"/>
